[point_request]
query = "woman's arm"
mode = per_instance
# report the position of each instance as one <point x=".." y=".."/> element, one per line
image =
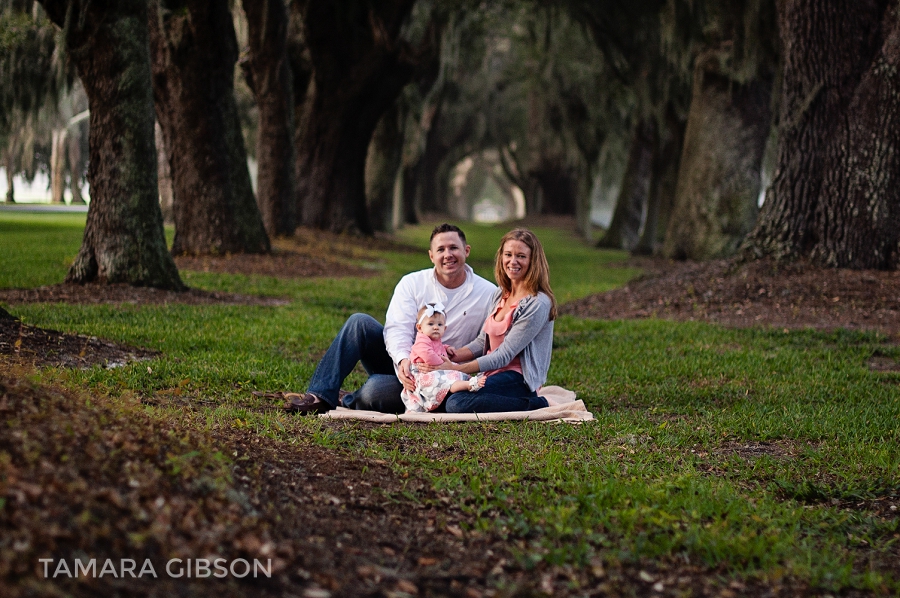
<point x="463" y="354"/>
<point x="477" y="346"/>
<point x="533" y="317"/>
<point x="531" y="320"/>
<point x="469" y="367"/>
<point x="466" y="363"/>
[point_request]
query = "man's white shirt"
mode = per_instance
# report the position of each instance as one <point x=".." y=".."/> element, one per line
<point x="467" y="308"/>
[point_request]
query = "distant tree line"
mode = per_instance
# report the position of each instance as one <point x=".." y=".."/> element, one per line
<point x="689" y="110"/>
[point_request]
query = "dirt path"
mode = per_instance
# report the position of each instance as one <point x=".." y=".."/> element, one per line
<point x="762" y="293"/>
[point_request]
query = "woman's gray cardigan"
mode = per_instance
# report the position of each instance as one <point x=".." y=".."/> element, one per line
<point x="530" y="336"/>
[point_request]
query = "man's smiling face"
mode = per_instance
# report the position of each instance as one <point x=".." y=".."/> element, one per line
<point x="448" y="254"/>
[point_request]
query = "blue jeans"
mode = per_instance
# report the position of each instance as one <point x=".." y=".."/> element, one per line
<point x="505" y="391"/>
<point x="361" y="340"/>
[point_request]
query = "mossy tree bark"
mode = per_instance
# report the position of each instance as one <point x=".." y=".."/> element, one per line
<point x="123" y="237"/>
<point x="835" y="196"/>
<point x="661" y="200"/>
<point x="10" y="172"/>
<point x="382" y="164"/>
<point x="716" y="199"/>
<point x="58" y="165"/>
<point x="194" y="51"/>
<point x="76" y="167"/>
<point x="428" y="179"/>
<point x="359" y="66"/>
<point x="625" y="228"/>
<point x="270" y="80"/>
<point x="550" y="158"/>
<point x="434" y="183"/>
<point x="166" y="198"/>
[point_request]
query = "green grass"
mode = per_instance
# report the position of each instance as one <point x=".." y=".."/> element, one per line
<point x="659" y="475"/>
<point x="37" y="249"/>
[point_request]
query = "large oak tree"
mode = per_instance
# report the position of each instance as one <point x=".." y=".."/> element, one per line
<point x="734" y="54"/>
<point x="716" y="197"/>
<point x="835" y="196"/>
<point x="360" y="63"/>
<point x="194" y="51"/>
<point x="270" y="79"/>
<point x="123" y="238"/>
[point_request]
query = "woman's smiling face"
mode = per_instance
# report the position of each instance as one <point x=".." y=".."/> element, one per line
<point x="515" y="259"/>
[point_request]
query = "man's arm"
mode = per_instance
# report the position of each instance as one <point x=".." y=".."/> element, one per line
<point x="400" y="329"/>
<point x="405" y="376"/>
<point x="400" y="321"/>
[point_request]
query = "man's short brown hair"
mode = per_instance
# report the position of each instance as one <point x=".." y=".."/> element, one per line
<point x="447" y="228"/>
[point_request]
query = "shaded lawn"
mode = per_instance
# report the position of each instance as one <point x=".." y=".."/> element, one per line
<point x="37" y="249"/>
<point x="758" y="454"/>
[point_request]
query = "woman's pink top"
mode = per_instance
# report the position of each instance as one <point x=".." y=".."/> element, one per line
<point x="496" y="332"/>
<point x="425" y="350"/>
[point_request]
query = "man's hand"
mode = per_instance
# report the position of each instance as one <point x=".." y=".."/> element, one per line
<point x="451" y="352"/>
<point x="406" y="377"/>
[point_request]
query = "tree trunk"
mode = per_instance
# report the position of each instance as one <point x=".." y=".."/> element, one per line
<point x="436" y="181"/>
<point x="558" y="189"/>
<point x="716" y="199"/>
<point x="75" y="167"/>
<point x="442" y="152"/>
<point x="438" y="157"/>
<point x="194" y="51"/>
<point x="432" y="190"/>
<point x="58" y="166"/>
<point x="534" y="196"/>
<point x="835" y="196"/>
<point x="272" y="87"/>
<point x="397" y="201"/>
<point x="436" y="163"/>
<point x="625" y="228"/>
<point x="583" y="181"/>
<point x="382" y="163"/>
<point x="356" y="78"/>
<point x="123" y="238"/>
<point x="10" y="173"/>
<point x="409" y="208"/>
<point x="666" y="164"/>
<point x="166" y="195"/>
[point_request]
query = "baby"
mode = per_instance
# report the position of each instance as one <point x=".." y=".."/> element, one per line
<point x="432" y="387"/>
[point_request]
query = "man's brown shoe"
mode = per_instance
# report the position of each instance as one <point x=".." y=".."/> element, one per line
<point x="305" y="403"/>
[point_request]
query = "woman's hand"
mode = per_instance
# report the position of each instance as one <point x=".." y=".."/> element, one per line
<point x="461" y="355"/>
<point x="427" y="367"/>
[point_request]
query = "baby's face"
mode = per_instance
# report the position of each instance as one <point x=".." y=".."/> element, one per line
<point x="433" y="327"/>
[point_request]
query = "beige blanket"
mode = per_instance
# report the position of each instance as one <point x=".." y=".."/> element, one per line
<point x="564" y="407"/>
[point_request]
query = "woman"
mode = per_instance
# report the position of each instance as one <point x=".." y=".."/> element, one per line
<point x="517" y="338"/>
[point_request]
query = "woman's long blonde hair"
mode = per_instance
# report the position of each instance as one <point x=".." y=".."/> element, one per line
<point x="537" y="279"/>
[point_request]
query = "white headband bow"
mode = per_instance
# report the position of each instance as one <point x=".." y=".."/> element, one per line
<point x="430" y="310"/>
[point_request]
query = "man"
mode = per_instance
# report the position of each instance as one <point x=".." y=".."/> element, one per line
<point x="384" y="350"/>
